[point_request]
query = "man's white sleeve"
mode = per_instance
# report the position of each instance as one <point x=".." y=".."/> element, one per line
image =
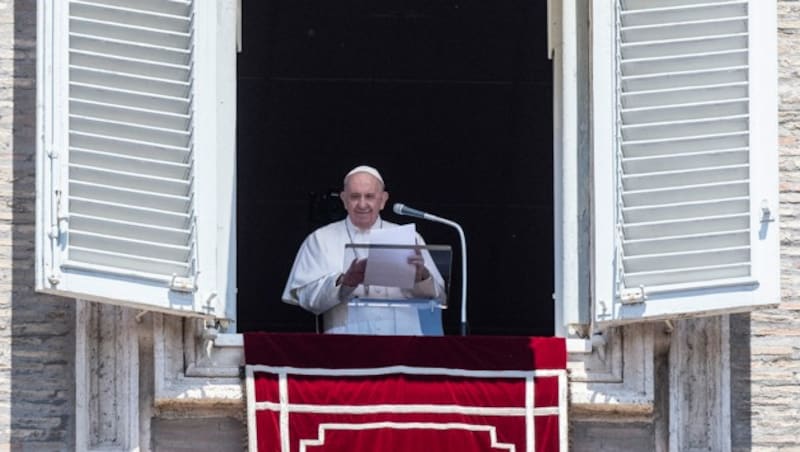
<point x="322" y="294"/>
<point x="312" y="281"/>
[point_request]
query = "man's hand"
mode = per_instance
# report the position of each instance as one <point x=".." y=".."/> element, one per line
<point x="417" y="261"/>
<point x="355" y="274"/>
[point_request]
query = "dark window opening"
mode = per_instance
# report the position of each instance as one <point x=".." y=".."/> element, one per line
<point x="451" y="101"/>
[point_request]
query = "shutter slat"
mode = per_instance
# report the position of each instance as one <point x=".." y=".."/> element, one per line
<point x="132" y="148"/>
<point x="661" y="48"/>
<point x="686" y="259"/>
<point x="684" y="30"/>
<point x="699" y="224"/>
<point x="129" y="180"/>
<point x="659" y="15"/>
<point x="687" y="275"/>
<point x="634" y="5"/>
<point x="693" y="242"/>
<point x="121" y="114"/>
<point x="129" y="66"/>
<point x="683" y="95"/>
<point x="684" y="161"/>
<point x="666" y="179"/>
<point x="698" y="143"/>
<point x="121" y="32"/>
<point x="129" y="230"/>
<point x="136" y="84"/>
<point x="128" y="115"/>
<point x="684" y="194"/>
<point x="684" y="129"/>
<point x="722" y="75"/>
<point x="130" y="247"/>
<point x="133" y="198"/>
<point x="704" y="208"/>
<point x="698" y="110"/>
<point x="160" y="104"/>
<point x="142" y="134"/>
<point x="123" y="261"/>
<point x="174" y="7"/>
<point x="684" y="63"/>
<point x="127" y="213"/>
<point x="126" y="49"/>
<point x="121" y="162"/>
<point x="131" y="16"/>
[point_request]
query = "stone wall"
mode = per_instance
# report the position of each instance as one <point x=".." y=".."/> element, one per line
<point x="36" y="332"/>
<point x="765" y="348"/>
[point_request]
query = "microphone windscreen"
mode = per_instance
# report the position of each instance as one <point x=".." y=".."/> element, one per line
<point x="398" y="208"/>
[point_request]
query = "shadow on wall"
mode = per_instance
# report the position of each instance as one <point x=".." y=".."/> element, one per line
<point x="741" y="376"/>
<point x="42" y="340"/>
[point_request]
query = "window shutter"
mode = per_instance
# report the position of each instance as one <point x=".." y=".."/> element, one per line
<point x="685" y="158"/>
<point x="125" y="165"/>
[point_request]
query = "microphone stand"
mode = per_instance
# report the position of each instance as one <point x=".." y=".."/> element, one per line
<point x="402" y="209"/>
<point x="464" y="325"/>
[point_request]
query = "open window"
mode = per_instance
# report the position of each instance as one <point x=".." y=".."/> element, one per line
<point x="452" y="102"/>
<point x="136" y="157"/>
<point x="135" y="153"/>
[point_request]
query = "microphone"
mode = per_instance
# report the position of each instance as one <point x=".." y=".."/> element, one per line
<point x="402" y="209"/>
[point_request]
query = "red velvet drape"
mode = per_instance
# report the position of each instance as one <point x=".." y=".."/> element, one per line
<point x="384" y="393"/>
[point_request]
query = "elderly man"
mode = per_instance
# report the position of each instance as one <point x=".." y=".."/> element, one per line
<point x="318" y="283"/>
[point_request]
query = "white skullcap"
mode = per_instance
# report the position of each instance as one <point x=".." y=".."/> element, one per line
<point x="364" y="169"/>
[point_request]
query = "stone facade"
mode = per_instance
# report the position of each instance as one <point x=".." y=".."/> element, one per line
<point x="765" y="347"/>
<point x="38" y="333"/>
<point x="37" y="341"/>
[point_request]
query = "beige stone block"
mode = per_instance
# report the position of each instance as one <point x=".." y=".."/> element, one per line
<point x="773" y="350"/>
<point x="793" y="305"/>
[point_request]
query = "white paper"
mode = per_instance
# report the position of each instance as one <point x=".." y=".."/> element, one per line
<point x="387" y="266"/>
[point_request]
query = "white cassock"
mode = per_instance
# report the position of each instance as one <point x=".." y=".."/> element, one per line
<point x="312" y="285"/>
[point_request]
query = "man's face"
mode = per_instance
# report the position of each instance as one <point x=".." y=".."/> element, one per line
<point x="363" y="198"/>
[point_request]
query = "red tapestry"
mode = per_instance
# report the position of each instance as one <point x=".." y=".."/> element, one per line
<point x="314" y="393"/>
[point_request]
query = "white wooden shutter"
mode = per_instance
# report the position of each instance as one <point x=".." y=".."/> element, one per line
<point x="685" y="157"/>
<point x="128" y="153"/>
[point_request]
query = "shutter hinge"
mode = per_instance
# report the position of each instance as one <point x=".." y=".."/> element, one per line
<point x="182" y="284"/>
<point x="58" y="227"/>
<point x="53" y="279"/>
<point x="208" y="307"/>
<point x="766" y="214"/>
<point x="634" y="295"/>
